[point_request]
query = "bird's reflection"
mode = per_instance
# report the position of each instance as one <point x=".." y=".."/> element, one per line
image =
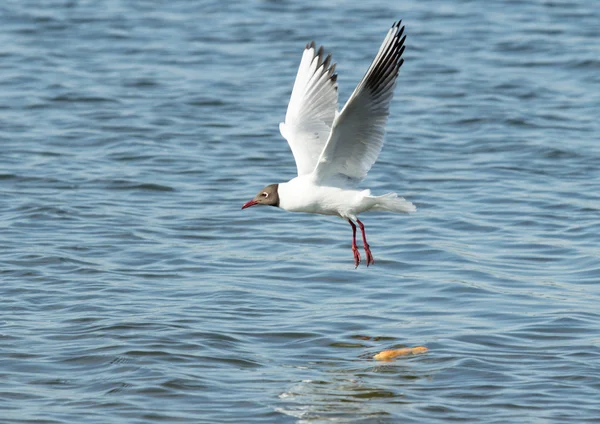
<point x="359" y="389"/>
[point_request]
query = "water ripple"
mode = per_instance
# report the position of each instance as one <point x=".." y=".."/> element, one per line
<point x="134" y="289"/>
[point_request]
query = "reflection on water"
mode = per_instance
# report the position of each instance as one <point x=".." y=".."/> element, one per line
<point x="357" y="387"/>
<point x="369" y="393"/>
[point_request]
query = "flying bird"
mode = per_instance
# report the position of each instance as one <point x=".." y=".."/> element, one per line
<point x="335" y="150"/>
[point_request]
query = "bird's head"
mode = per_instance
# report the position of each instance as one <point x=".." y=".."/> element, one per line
<point x="267" y="196"/>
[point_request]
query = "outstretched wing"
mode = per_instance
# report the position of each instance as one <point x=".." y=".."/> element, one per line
<point x="312" y="108"/>
<point x="357" y="134"/>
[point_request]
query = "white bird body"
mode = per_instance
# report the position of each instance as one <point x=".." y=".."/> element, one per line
<point x="301" y="194"/>
<point x="334" y="150"/>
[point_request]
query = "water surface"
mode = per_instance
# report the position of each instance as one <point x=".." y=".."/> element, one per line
<point x="134" y="289"/>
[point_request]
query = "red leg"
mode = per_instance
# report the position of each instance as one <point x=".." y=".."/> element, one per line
<point x="370" y="260"/>
<point x="354" y="247"/>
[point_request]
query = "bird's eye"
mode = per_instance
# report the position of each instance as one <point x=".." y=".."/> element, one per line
<point x="265" y="194"/>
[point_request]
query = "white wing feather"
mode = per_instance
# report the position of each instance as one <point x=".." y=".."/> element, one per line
<point x="312" y="109"/>
<point x="357" y="134"/>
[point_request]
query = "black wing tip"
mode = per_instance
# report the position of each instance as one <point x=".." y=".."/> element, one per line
<point x="332" y="75"/>
<point x="401" y="48"/>
<point x="388" y="66"/>
<point x="332" y="69"/>
<point x="327" y="61"/>
<point x="325" y="64"/>
<point x="399" y="29"/>
<point x="319" y="56"/>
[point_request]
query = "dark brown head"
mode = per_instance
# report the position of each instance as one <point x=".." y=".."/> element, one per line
<point x="267" y="196"/>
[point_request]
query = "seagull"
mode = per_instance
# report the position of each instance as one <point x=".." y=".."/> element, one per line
<point x="335" y="150"/>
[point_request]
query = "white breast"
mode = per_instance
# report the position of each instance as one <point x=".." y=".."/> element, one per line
<point x="302" y="195"/>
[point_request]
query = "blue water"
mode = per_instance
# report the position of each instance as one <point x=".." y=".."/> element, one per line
<point x="133" y="289"/>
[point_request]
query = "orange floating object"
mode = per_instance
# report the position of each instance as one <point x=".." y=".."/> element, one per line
<point x="388" y="355"/>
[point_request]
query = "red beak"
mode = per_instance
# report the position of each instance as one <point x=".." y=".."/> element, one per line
<point x="250" y="203"/>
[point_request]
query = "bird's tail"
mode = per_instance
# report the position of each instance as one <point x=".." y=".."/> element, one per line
<point x="392" y="203"/>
